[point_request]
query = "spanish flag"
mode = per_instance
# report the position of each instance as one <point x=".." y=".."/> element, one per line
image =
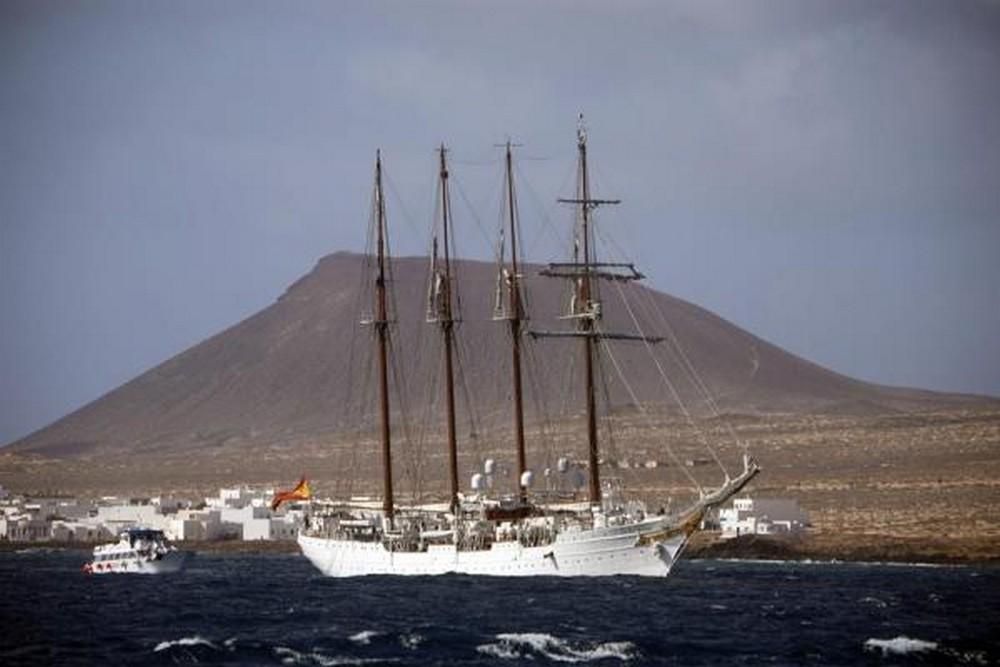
<point x="300" y="492"/>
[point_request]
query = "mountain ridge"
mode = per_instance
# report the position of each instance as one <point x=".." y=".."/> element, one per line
<point x="288" y="373"/>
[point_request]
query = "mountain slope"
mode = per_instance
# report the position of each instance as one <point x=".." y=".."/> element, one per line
<point x="299" y="371"/>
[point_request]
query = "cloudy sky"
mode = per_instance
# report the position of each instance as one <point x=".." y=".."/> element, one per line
<point x="824" y="174"/>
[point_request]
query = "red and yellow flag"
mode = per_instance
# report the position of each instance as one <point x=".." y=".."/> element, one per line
<point x="300" y="492"/>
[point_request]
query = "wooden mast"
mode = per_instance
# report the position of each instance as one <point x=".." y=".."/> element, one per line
<point x="515" y="319"/>
<point x="381" y="323"/>
<point x="447" y="322"/>
<point x="586" y="307"/>
<point x="586" y="322"/>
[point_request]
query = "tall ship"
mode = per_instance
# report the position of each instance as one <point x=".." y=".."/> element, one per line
<point x="525" y="533"/>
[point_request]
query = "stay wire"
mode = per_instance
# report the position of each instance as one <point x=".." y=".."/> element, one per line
<point x="642" y="409"/>
<point x="686" y="365"/>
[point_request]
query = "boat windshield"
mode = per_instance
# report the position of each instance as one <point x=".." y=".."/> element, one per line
<point x="145" y="534"/>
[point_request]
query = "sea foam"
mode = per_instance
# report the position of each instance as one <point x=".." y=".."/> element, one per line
<point x="411" y="640"/>
<point x="899" y="645"/>
<point x="364" y="637"/>
<point x="184" y="641"/>
<point x="876" y="602"/>
<point x="290" y="656"/>
<point x="517" y="646"/>
<point x="905" y="645"/>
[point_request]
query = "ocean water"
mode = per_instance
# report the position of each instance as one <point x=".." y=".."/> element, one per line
<point x="275" y="610"/>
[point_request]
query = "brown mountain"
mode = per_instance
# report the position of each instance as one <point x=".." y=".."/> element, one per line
<point x="299" y="371"/>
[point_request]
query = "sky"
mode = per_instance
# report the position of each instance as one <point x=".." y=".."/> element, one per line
<point x="825" y="175"/>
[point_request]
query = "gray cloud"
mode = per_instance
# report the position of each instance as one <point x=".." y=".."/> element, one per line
<point x="824" y="174"/>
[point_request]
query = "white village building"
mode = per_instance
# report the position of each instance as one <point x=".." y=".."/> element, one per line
<point x="23" y="528"/>
<point x="119" y="516"/>
<point x="241" y="496"/>
<point x="241" y="513"/>
<point x="258" y="523"/>
<point x="78" y="531"/>
<point x="763" y="516"/>
<point x="248" y="512"/>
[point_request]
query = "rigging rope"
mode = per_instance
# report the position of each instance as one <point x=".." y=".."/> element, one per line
<point x="652" y="308"/>
<point x="354" y="411"/>
<point x="605" y="419"/>
<point x="470" y="410"/>
<point x="692" y="372"/>
<point x="430" y="407"/>
<point x="398" y="205"/>
<point x="642" y="409"/>
<point x="539" y="403"/>
<point x="668" y="382"/>
<point x="479" y="224"/>
<point x="685" y="366"/>
<point x="663" y="374"/>
<point x="546" y="217"/>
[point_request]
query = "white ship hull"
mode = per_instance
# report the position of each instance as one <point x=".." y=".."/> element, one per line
<point x="626" y="549"/>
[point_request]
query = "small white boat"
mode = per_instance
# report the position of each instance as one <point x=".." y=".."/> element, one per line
<point x="138" y="550"/>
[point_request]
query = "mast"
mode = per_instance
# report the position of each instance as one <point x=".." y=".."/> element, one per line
<point x="381" y="323"/>
<point x="515" y="319"/>
<point x="586" y="323"/>
<point x="444" y="317"/>
<point x="585" y="306"/>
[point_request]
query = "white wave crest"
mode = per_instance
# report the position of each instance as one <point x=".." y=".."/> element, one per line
<point x="504" y="651"/>
<point x="881" y="604"/>
<point x="364" y="637"/>
<point x="411" y="640"/>
<point x="514" y="646"/>
<point x="184" y="641"/>
<point x="899" y="645"/>
<point x="290" y="656"/>
<point x="905" y="645"/>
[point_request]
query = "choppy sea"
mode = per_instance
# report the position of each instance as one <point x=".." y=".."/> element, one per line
<point x="275" y="610"/>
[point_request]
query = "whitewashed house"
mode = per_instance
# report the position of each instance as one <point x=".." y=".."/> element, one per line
<point x="258" y="523"/>
<point x="763" y="516"/>
<point x="78" y="531"/>
<point x="202" y="525"/>
<point x="170" y="504"/>
<point x="240" y="496"/>
<point x="122" y="515"/>
<point x="25" y="528"/>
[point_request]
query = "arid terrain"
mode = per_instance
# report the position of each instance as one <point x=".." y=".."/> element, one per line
<point x="894" y="487"/>
<point x="289" y="391"/>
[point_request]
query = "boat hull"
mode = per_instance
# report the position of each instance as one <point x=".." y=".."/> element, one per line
<point x="619" y="550"/>
<point x="174" y="561"/>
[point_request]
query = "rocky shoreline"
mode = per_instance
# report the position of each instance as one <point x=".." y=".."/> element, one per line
<point x="861" y="548"/>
